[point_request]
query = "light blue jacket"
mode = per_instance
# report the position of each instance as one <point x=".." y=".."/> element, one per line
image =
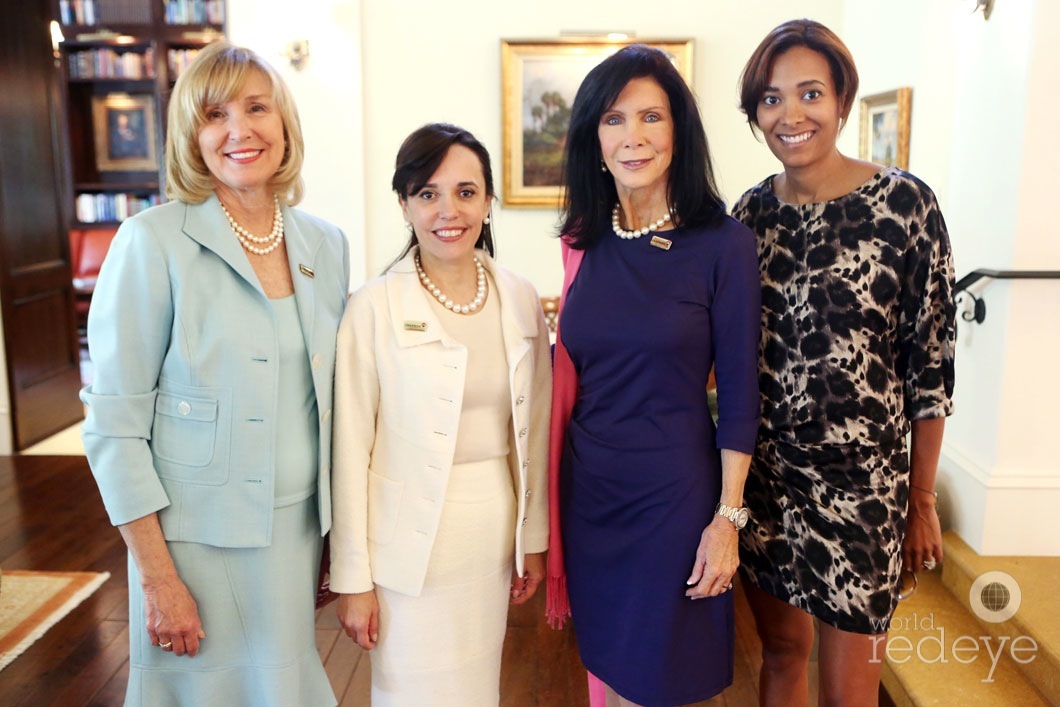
<point x="182" y="410"/>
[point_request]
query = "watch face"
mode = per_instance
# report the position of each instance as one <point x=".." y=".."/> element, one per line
<point x="742" y="516"/>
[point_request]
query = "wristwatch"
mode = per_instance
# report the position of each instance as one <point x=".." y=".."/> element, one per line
<point x="738" y="516"/>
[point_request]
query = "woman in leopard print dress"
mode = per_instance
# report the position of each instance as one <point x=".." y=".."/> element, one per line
<point x="857" y="352"/>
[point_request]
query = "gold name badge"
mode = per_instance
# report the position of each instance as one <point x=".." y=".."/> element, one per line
<point x="660" y="242"/>
<point x="415" y="326"/>
<point x="305" y="270"/>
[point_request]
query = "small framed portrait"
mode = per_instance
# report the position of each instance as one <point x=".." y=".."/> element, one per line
<point x="885" y="121"/>
<point x="126" y="133"/>
<point x="540" y="78"/>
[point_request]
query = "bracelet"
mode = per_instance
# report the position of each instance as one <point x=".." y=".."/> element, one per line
<point x="920" y="488"/>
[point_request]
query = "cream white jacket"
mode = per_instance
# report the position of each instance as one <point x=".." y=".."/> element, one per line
<point x="399" y="384"/>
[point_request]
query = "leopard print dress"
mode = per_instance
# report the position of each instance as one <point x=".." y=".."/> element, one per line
<point x="858" y="330"/>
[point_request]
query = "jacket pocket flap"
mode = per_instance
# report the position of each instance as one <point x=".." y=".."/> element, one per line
<point x="198" y="409"/>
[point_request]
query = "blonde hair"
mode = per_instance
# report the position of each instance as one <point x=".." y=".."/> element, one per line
<point x="216" y="76"/>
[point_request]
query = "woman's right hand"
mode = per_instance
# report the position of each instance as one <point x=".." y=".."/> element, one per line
<point x="171" y="616"/>
<point x="359" y="615"/>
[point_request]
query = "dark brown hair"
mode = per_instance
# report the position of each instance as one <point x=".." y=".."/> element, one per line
<point x="798" y="33"/>
<point x="419" y="157"/>
<point x="589" y="193"/>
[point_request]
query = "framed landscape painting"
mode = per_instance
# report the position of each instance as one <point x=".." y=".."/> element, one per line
<point x="885" y="123"/>
<point x="540" y="78"/>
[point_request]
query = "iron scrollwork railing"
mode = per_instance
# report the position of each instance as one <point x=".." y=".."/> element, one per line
<point x="978" y="311"/>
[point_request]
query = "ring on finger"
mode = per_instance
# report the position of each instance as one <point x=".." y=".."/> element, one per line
<point x="929" y="564"/>
<point x="166" y="646"/>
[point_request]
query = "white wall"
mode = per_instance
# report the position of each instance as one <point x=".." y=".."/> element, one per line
<point x="426" y="62"/>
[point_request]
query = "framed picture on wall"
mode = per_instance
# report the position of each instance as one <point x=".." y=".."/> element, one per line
<point x="125" y="133"/>
<point x="540" y="78"/>
<point x="885" y="121"/>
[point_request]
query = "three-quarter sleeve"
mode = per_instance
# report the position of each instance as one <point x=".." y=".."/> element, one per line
<point x="927" y="316"/>
<point x="736" y="320"/>
<point x="129" y="328"/>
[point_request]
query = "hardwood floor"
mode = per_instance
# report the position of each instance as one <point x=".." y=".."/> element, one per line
<point x="51" y="518"/>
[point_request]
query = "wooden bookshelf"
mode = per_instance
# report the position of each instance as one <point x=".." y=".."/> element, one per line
<point x="119" y="61"/>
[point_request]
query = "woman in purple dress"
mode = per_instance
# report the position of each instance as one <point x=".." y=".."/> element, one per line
<point x="660" y="287"/>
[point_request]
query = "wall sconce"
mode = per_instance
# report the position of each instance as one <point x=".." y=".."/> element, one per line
<point x="297" y="51"/>
<point x="984" y="6"/>
<point x="57" y="38"/>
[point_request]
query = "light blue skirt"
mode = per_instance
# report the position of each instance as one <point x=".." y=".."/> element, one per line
<point x="256" y="606"/>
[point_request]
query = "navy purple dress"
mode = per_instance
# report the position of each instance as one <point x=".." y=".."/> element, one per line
<point x="641" y="471"/>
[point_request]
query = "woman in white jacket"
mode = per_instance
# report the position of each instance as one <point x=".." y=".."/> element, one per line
<point x="442" y="397"/>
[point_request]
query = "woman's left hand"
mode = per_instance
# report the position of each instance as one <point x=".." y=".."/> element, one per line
<point x="523" y="588"/>
<point x="717" y="558"/>
<point x="922" y="547"/>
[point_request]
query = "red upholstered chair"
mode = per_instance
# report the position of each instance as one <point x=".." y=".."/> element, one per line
<point x="88" y="248"/>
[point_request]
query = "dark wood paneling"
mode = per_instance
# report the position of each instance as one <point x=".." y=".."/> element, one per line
<point x="35" y="287"/>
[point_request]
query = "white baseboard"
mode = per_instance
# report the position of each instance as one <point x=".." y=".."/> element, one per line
<point x="1002" y="511"/>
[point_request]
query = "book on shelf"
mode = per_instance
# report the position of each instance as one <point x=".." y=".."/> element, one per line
<point x="195" y="12"/>
<point x="106" y="63"/>
<point x="178" y="60"/>
<point x="77" y="12"/>
<point x="95" y="12"/>
<point x="97" y="208"/>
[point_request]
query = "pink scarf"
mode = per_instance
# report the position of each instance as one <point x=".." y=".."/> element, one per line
<point x="564" y="394"/>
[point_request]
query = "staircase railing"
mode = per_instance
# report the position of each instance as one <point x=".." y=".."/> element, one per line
<point x="978" y="311"/>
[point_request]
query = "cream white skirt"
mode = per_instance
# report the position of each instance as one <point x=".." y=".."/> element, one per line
<point x="443" y="648"/>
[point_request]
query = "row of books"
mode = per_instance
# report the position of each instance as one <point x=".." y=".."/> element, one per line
<point x="179" y="59"/>
<point x="188" y="12"/>
<point x="78" y="12"/>
<point x="105" y="63"/>
<point x="177" y="12"/>
<point x="96" y="208"/>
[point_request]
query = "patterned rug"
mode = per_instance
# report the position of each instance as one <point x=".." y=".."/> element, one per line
<point x="33" y="602"/>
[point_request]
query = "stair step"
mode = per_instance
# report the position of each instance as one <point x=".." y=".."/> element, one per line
<point x="1037" y="616"/>
<point x="939" y="654"/>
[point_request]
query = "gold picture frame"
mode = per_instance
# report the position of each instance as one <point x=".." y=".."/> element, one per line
<point x="885" y="124"/>
<point x="125" y="133"/>
<point x="539" y="80"/>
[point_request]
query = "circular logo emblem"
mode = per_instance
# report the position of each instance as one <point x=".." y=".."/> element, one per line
<point x="995" y="596"/>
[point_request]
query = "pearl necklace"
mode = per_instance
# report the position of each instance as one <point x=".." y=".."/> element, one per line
<point x="259" y="245"/>
<point x="470" y="307"/>
<point x="616" y="224"/>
